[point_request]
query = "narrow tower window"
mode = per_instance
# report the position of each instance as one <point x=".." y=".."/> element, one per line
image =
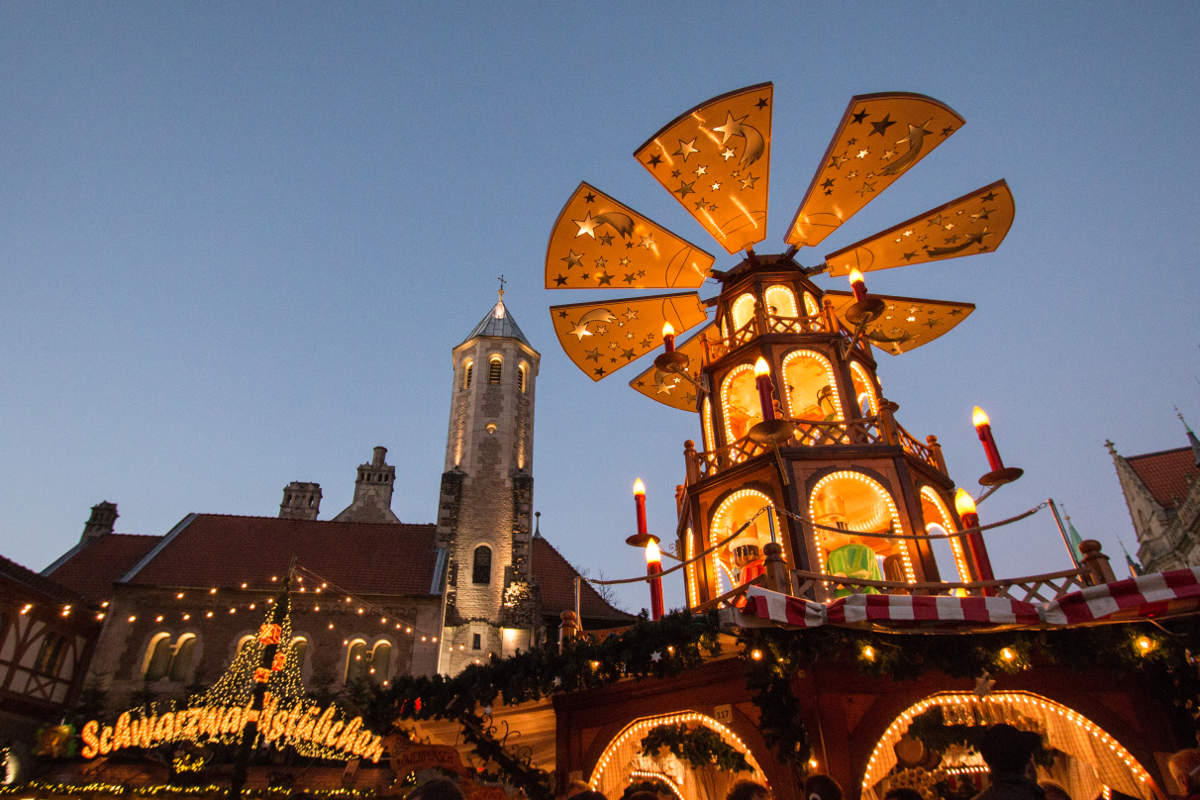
<point x="481" y="568"/>
<point x="521" y="377"/>
<point x="468" y="366"/>
<point x="494" y="364"/>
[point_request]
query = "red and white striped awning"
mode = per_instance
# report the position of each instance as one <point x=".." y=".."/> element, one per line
<point x="1144" y="597"/>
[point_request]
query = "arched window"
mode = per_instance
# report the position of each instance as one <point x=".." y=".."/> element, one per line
<point x="481" y="566"/>
<point x="811" y="387"/>
<point x="494" y="365"/>
<point x="781" y="301"/>
<point x="938" y="521"/>
<point x="522" y="368"/>
<point x="846" y="503"/>
<point x="706" y="423"/>
<point x="742" y="311"/>
<point x="741" y="559"/>
<point x="184" y="655"/>
<point x="811" y="307"/>
<point x="468" y="367"/>
<point x="381" y="661"/>
<point x="157" y="660"/>
<point x="356" y="660"/>
<point x="299" y="650"/>
<point x="689" y="552"/>
<point x="740" y="404"/>
<point x="864" y="390"/>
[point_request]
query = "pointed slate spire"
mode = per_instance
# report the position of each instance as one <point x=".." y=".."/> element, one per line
<point x="1135" y="569"/>
<point x="1192" y="440"/>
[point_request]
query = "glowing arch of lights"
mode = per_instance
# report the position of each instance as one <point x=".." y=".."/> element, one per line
<point x="821" y="360"/>
<point x="710" y="441"/>
<point x="742" y="311"/>
<point x="665" y="780"/>
<point x="883" y="756"/>
<point x="890" y="505"/>
<point x="716" y="532"/>
<point x="946" y="523"/>
<point x="782" y="299"/>
<point x="689" y="552"/>
<point x="859" y="371"/>
<point x="811" y="308"/>
<point x="726" y="405"/>
<point x="640" y="727"/>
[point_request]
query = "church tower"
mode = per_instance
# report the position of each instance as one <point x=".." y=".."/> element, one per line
<point x="484" y="513"/>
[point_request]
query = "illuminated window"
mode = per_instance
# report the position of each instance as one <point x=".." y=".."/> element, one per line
<point x="741" y="559"/>
<point x="706" y="423"/>
<point x="847" y="504"/>
<point x="938" y="521"/>
<point x="864" y="390"/>
<point x="157" y="660"/>
<point x="356" y="660"/>
<point x="481" y="567"/>
<point x="811" y="307"/>
<point x="739" y="402"/>
<point x="494" y="364"/>
<point x="781" y="301"/>
<point x="50" y="655"/>
<point x="181" y="659"/>
<point x="811" y="387"/>
<point x="468" y="367"/>
<point x="521" y="370"/>
<point x="381" y="662"/>
<point x="742" y="311"/>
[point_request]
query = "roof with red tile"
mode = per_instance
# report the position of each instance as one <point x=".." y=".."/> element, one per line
<point x="555" y="578"/>
<point x="93" y="566"/>
<point x="1167" y="474"/>
<point x="365" y="558"/>
<point x="38" y="584"/>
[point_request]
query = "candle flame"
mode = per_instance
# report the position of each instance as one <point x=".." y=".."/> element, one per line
<point x="668" y="329"/>
<point x="979" y="417"/>
<point x="963" y="502"/>
<point x="639" y="487"/>
<point x="653" y="554"/>
<point x="856" y="277"/>
<point x="761" y="368"/>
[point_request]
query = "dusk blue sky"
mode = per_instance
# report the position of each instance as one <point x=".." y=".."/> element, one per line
<point x="238" y="241"/>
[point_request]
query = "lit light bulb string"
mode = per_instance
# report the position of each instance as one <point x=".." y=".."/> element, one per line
<point x="800" y="517"/>
<point x="342" y="602"/>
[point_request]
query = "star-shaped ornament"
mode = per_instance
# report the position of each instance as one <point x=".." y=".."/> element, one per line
<point x="656" y="656"/>
<point x="732" y="127"/>
<point x="686" y="148"/>
<point x="587" y="225"/>
<point x="984" y="684"/>
<point x="557" y="681"/>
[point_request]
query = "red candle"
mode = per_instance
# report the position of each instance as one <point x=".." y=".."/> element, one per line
<point x="762" y="379"/>
<point x="965" y="506"/>
<point x="984" y="429"/>
<point x="858" y="285"/>
<point x="668" y="337"/>
<point x="654" y="572"/>
<point x="639" y="502"/>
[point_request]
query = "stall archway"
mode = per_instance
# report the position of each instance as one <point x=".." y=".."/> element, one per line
<point x="622" y="761"/>
<point x="1089" y="761"/>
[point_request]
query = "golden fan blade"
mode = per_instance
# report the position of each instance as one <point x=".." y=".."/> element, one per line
<point x="879" y="138"/>
<point x="715" y="160"/>
<point x="597" y="241"/>
<point x="974" y="223"/>
<point x="671" y="388"/>
<point x="906" y="322"/>
<point x="603" y="337"/>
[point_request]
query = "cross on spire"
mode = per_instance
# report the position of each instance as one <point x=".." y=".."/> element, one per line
<point x="503" y="283"/>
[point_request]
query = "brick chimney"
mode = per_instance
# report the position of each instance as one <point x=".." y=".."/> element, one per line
<point x="301" y="500"/>
<point x="104" y="516"/>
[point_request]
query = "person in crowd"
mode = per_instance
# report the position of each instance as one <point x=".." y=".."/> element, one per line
<point x="748" y="790"/>
<point x="902" y="793"/>
<point x="1054" y="791"/>
<point x="436" y="789"/>
<point x="1009" y="755"/>
<point x="821" y="787"/>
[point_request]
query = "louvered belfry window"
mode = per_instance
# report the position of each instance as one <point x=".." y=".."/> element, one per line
<point x="494" y="370"/>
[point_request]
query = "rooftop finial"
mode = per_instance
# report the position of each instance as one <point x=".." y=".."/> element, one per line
<point x="1192" y="440"/>
<point x="500" y="302"/>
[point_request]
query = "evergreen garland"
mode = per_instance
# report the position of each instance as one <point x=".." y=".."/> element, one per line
<point x="699" y="747"/>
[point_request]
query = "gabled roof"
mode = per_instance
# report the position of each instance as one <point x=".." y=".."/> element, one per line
<point x="1167" y="474"/>
<point x="94" y="565"/>
<point x="555" y="578"/>
<point x="498" y="322"/>
<point x="220" y="550"/>
<point x="38" y="584"/>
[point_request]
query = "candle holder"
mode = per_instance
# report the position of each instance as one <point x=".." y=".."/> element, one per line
<point x="772" y="432"/>
<point x="640" y="540"/>
<point x="674" y="361"/>
<point x="999" y="477"/>
<point x="866" y="310"/>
